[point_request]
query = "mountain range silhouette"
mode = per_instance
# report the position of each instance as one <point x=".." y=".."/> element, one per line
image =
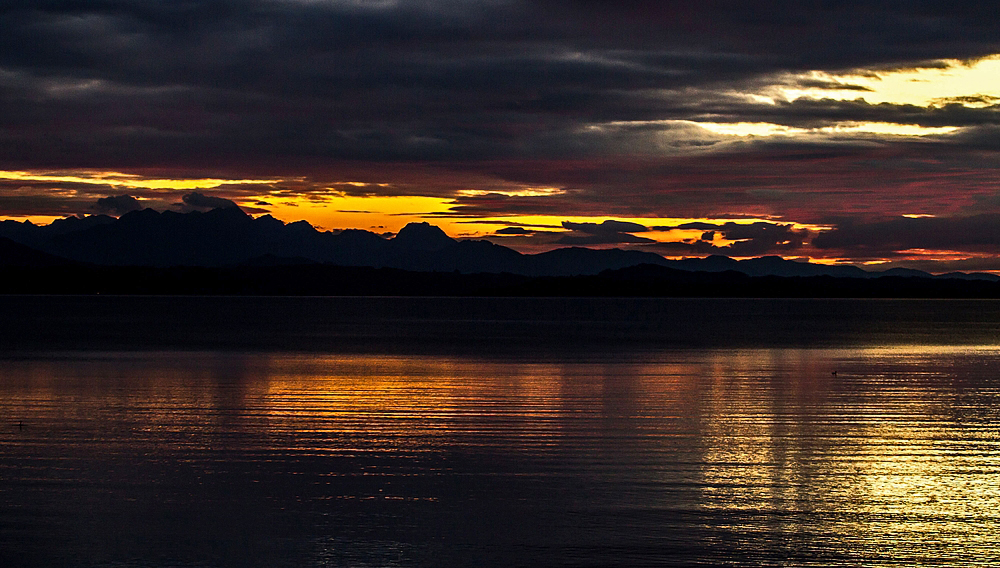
<point x="228" y="237"/>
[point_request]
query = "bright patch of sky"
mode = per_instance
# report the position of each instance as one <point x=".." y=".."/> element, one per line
<point x="972" y="84"/>
<point x="124" y="181"/>
<point x="380" y="214"/>
<point x="769" y="129"/>
<point x="955" y="81"/>
<point x="519" y="192"/>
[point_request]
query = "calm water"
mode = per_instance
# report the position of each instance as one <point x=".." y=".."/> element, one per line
<point x="508" y="449"/>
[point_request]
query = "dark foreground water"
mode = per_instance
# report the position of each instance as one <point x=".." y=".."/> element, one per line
<point x="660" y="442"/>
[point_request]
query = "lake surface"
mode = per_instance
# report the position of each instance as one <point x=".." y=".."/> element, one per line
<point x="390" y="432"/>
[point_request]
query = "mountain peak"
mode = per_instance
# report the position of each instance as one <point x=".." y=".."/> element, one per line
<point x="422" y="236"/>
<point x="227" y="213"/>
<point x="15" y="254"/>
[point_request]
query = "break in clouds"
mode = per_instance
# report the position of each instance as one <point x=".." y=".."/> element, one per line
<point x="629" y="109"/>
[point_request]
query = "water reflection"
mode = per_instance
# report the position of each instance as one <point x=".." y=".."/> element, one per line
<point x="745" y="457"/>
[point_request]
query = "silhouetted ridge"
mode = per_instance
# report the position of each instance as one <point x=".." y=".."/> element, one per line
<point x="74" y="224"/>
<point x="422" y="236"/>
<point x="229" y="237"/>
<point x="13" y="254"/>
<point x="577" y="260"/>
<point x="270" y="260"/>
<point x="907" y="272"/>
<point x="149" y="238"/>
<point x="971" y="276"/>
<point x="272" y="275"/>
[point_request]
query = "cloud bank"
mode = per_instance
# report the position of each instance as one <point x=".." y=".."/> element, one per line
<point x="631" y="109"/>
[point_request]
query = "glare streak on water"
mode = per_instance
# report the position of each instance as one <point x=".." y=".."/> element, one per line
<point x="749" y="457"/>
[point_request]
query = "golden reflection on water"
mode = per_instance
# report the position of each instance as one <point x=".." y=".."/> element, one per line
<point x="895" y="458"/>
<point x="876" y="454"/>
<point x="409" y="403"/>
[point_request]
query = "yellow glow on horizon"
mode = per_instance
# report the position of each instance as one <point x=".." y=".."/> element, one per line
<point x="669" y="235"/>
<point x="829" y="261"/>
<point x="388" y="214"/>
<point x="556" y="220"/>
<point x="331" y="208"/>
<point x="328" y="208"/>
<point x="391" y="213"/>
<point x="117" y="179"/>
<point x="953" y="254"/>
<point x="373" y="213"/>
<point x="36" y="219"/>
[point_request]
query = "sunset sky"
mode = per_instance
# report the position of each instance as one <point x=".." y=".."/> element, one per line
<point x="860" y="132"/>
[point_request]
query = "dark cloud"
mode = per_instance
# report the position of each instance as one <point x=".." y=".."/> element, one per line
<point x="607" y="227"/>
<point x="830" y="85"/>
<point x="432" y="97"/>
<point x="697" y="225"/>
<point x="60" y="195"/>
<point x="602" y="239"/>
<point x="986" y="100"/>
<point x="533" y="227"/>
<point x="811" y="113"/>
<point x="758" y="239"/>
<point x="772" y="232"/>
<point x="28" y="205"/>
<point x="794" y="180"/>
<point x="752" y="239"/>
<point x="249" y="83"/>
<point x="513" y="231"/>
<point x="974" y="233"/>
<point x="604" y="233"/>
<point x="198" y="201"/>
<point x="117" y="204"/>
<point x="981" y="144"/>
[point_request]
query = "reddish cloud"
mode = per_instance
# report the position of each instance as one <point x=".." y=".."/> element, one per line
<point x="478" y="101"/>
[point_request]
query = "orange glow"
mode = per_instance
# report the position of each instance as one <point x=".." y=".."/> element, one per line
<point x="380" y="214"/>
<point x="423" y="395"/>
<point x="36" y="219"/>
<point x="377" y="214"/>
<point x="334" y="205"/>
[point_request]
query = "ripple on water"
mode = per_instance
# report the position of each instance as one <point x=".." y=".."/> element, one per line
<point x="756" y="456"/>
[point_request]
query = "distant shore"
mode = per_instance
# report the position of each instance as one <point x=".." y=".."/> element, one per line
<point x="330" y="280"/>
